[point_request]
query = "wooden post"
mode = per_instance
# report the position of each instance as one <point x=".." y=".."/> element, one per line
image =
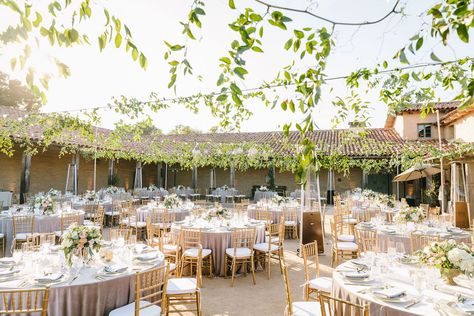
<point x="25" y="176"/>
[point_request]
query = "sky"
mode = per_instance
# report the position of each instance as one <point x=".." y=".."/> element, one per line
<point x="97" y="77"/>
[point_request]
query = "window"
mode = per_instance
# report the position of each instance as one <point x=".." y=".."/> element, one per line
<point x="424" y="130"/>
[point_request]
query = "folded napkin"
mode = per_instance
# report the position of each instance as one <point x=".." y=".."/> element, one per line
<point x="147" y="256"/>
<point x="7" y="260"/>
<point x="356" y="275"/>
<point x="53" y="277"/>
<point x="360" y="263"/>
<point x="467" y="306"/>
<point x="392" y="292"/>
<point x="7" y="272"/>
<point x="115" y="269"/>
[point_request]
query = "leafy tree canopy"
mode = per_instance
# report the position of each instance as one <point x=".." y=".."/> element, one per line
<point x="184" y="130"/>
<point x="14" y="94"/>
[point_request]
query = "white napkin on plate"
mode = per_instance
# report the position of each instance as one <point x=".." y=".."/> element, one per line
<point x="467" y="306"/>
<point x="53" y="277"/>
<point x="147" y="256"/>
<point x="356" y="275"/>
<point x="115" y="268"/>
<point x="392" y="292"/>
<point x="7" y="272"/>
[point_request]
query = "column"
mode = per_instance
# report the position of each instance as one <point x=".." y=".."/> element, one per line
<point x="365" y="179"/>
<point x="232" y="177"/>
<point x="25" y="176"/>
<point x="75" y="174"/>
<point x="111" y="173"/>
<point x="159" y="179"/>
<point x="194" y="174"/>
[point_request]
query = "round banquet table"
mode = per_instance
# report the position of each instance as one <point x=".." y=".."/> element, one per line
<point x="399" y="276"/>
<point x="186" y="192"/>
<point x="179" y="213"/>
<point x="79" y="205"/>
<point x="224" y="193"/>
<point x="43" y="224"/>
<point x="87" y="295"/>
<point x="384" y="236"/>
<point x="218" y="240"/>
<point x="277" y="212"/>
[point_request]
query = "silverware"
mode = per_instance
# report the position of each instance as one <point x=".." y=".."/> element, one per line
<point x="414" y="302"/>
<point x="72" y="280"/>
<point x="358" y="284"/>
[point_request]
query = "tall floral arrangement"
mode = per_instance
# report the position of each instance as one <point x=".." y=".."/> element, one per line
<point x="409" y="214"/>
<point x="54" y="192"/>
<point x="91" y="195"/>
<point x="82" y="242"/>
<point x="111" y="189"/>
<point x="219" y="213"/>
<point x="263" y="188"/>
<point x="43" y="204"/>
<point x="279" y="199"/>
<point x="152" y="188"/>
<point x="171" y="201"/>
<point x="449" y="256"/>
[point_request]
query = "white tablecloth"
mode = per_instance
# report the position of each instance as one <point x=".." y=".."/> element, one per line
<point x="224" y="193"/>
<point x="396" y="276"/>
<point x="145" y="211"/>
<point x="6" y="198"/>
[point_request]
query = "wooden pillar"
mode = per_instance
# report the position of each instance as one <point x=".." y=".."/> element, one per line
<point x="232" y="177"/>
<point x="159" y="179"/>
<point x="25" y="176"/>
<point x="194" y="175"/>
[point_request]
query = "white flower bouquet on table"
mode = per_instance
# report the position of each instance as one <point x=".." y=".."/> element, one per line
<point x="367" y="193"/>
<point x="279" y="199"/>
<point x="53" y="192"/>
<point x="91" y="195"/>
<point x="153" y="188"/>
<point x="224" y="188"/>
<point x="43" y="204"/>
<point x="449" y="257"/>
<point x="409" y="214"/>
<point x="219" y="213"/>
<point x="81" y="242"/>
<point x="180" y="187"/>
<point x="170" y="201"/>
<point x="111" y="189"/>
<point x="385" y="200"/>
<point x="263" y="188"/>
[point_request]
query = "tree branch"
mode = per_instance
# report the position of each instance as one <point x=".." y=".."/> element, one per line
<point x="305" y="11"/>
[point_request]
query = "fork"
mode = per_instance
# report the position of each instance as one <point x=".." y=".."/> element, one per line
<point x="414" y="302"/>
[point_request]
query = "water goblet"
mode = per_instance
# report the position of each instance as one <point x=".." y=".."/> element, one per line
<point x="400" y="248"/>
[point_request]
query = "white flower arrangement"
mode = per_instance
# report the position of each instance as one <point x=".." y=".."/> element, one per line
<point x="448" y="254"/>
<point x="43" y="204"/>
<point x="219" y="213"/>
<point x="172" y="200"/>
<point x="53" y="192"/>
<point x="180" y="187"/>
<point x="81" y="241"/>
<point x="279" y="199"/>
<point x="91" y="195"/>
<point x="367" y="193"/>
<point x="153" y="188"/>
<point x="263" y="188"/>
<point x="111" y="189"/>
<point x="224" y="187"/>
<point x="409" y="214"/>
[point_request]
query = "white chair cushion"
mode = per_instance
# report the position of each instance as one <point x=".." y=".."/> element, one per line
<point x="181" y="286"/>
<point x="58" y="233"/>
<point x="350" y="220"/>
<point x="241" y="252"/>
<point x="129" y="310"/>
<point x="172" y="267"/>
<point x="2" y="235"/>
<point x="111" y="213"/>
<point x="306" y="309"/>
<point x="345" y="238"/>
<point x="170" y="248"/>
<point x="193" y="252"/>
<point x="349" y="246"/>
<point x="22" y="236"/>
<point x="87" y="222"/>
<point x="290" y="223"/>
<point x="138" y="224"/>
<point x="263" y="246"/>
<point x="321" y="284"/>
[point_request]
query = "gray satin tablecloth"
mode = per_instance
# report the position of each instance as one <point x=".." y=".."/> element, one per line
<point x="43" y="224"/>
<point x="179" y="214"/>
<point x="224" y="193"/>
<point x="219" y="241"/>
<point x="276" y="212"/>
<point x="263" y="195"/>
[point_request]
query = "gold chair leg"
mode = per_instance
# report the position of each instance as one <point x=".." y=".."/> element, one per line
<point x="252" y="267"/>
<point x="198" y="302"/>
<point x="233" y="272"/>
<point x="269" y="259"/>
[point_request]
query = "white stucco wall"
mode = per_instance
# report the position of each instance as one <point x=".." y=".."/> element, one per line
<point x="464" y="128"/>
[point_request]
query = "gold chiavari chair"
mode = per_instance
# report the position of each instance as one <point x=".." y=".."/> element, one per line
<point x="426" y="209"/>
<point x="190" y="241"/>
<point x="23" y="227"/>
<point x="150" y="294"/>
<point x="129" y="219"/>
<point x="66" y="220"/>
<point x="434" y="213"/>
<point x="367" y="239"/>
<point x="341" y="249"/>
<point x="345" y="232"/>
<point x="185" y="291"/>
<point x="125" y="233"/>
<point x="112" y="216"/>
<point x="272" y="248"/>
<point x="169" y="245"/>
<point x="90" y="210"/>
<point x="317" y="284"/>
<point x="98" y="219"/>
<point x="24" y="301"/>
<point x="34" y="242"/>
<point x="264" y="215"/>
<point x="291" y="221"/>
<point x="418" y="241"/>
<point x="307" y="308"/>
<point x="242" y="253"/>
<point x="331" y="306"/>
<point x="368" y="214"/>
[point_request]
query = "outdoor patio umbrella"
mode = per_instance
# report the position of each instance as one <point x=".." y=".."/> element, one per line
<point x="138" y="176"/>
<point x="416" y="172"/>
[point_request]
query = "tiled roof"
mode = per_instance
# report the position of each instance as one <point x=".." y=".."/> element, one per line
<point x="442" y="106"/>
<point x="370" y="142"/>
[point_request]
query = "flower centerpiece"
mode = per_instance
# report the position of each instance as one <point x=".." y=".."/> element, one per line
<point x="385" y="200"/>
<point x="81" y="242"/>
<point x="409" y="214"/>
<point x="279" y="199"/>
<point x="219" y="213"/>
<point x="224" y="188"/>
<point x="369" y="194"/>
<point x="53" y="192"/>
<point x="449" y="257"/>
<point x="180" y="187"/>
<point x="153" y="188"/>
<point x="91" y="195"/>
<point x="43" y="204"/>
<point x="171" y="201"/>
<point x="111" y="189"/>
<point x="263" y="188"/>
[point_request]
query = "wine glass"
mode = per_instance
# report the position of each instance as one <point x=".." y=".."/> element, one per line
<point x="400" y="248"/>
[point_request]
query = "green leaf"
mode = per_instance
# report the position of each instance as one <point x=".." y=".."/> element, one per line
<point x="231" y="4"/>
<point x="200" y="11"/>
<point x="73" y="35"/>
<point x="291" y="105"/>
<point x="222" y="97"/>
<point x="284" y="105"/>
<point x="134" y="54"/>
<point x="225" y="60"/>
<point x="419" y="43"/>
<point x="299" y="34"/>
<point x="463" y="33"/>
<point x="435" y="58"/>
<point x="257" y="49"/>
<point x="38" y="20"/>
<point x="107" y="17"/>
<point x="235" y="88"/>
<point x="143" y="61"/>
<point x="118" y="40"/>
<point x="101" y="42"/>
<point x="403" y="57"/>
<point x="385" y="64"/>
<point x="288" y="44"/>
<point x="220" y="81"/>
